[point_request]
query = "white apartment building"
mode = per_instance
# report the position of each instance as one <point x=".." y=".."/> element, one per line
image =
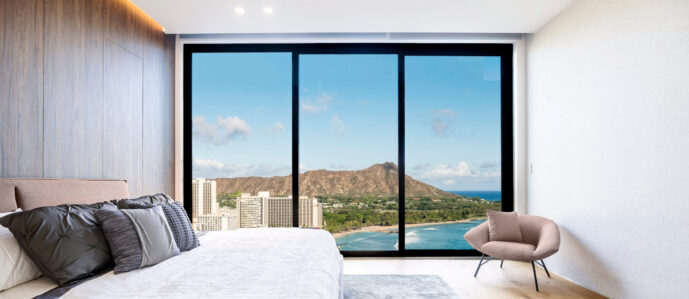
<point x="265" y="211"/>
<point x="204" y="197"/>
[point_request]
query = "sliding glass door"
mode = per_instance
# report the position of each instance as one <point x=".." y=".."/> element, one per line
<point x="453" y="145"/>
<point x="348" y="147"/>
<point x="241" y="140"/>
<point x="398" y="148"/>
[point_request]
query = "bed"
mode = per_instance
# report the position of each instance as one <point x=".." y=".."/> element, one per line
<point x="244" y="263"/>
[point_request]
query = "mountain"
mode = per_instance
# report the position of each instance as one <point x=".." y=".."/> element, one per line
<point x="377" y="180"/>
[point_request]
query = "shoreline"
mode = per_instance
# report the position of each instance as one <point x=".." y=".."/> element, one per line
<point x="388" y="228"/>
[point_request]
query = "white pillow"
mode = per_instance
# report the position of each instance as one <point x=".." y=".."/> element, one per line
<point x="15" y="265"/>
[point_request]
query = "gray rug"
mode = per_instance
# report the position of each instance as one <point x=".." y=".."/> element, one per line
<point x="396" y="286"/>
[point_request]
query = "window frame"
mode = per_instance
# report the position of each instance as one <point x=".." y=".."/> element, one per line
<point x="402" y="50"/>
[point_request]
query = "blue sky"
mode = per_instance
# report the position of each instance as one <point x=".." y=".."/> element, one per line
<point x="348" y="116"/>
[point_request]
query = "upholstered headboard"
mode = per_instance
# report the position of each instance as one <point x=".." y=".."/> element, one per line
<point x="29" y="194"/>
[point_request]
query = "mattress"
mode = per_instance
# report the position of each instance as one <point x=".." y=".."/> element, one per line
<point x="243" y="263"/>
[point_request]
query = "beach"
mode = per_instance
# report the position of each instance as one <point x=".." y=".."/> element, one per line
<point x="390" y="228"/>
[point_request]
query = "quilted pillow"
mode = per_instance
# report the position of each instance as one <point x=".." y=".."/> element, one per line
<point x="65" y="242"/>
<point x="137" y="238"/>
<point x="159" y="198"/>
<point x="179" y="223"/>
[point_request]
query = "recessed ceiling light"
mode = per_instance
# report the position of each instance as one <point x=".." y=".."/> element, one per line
<point x="268" y="10"/>
<point x="239" y="10"/>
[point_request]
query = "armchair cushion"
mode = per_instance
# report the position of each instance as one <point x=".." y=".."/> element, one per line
<point x="514" y="251"/>
<point x="503" y="226"/>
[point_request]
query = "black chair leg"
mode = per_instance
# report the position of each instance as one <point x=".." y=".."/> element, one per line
<point x="533" y="267"/>
<point x="479" y="265"/>
<point x="546" y="269"/>
<point x="501" y="261"/>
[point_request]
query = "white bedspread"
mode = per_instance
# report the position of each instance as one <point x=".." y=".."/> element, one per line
<point x="244" y="263"/>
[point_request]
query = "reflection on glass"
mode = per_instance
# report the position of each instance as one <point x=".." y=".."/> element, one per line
<point x="452" y="123"/>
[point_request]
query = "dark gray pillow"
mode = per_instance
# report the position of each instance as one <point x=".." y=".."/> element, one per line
<point x="179" y="223"/>
<point x="65" y="242"/>
<point x="159" y="198"/>
<point x="137" y="237"/>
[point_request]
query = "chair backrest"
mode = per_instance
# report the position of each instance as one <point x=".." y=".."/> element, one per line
<point x="530" y="227"/>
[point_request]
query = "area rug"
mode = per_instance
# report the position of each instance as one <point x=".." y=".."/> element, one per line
<point x="396" y="286"/>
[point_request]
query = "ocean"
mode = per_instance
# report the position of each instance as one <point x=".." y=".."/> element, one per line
<point x="487" y="195"/>
<point x="431" y="236"/>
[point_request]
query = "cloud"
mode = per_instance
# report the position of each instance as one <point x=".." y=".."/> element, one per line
<point x="208" y="164"/>
<point x="487" y="165"/>
<point x="442" y="119"/>
<point x="321" y="104"/>
<point x="209" y="168"/>
<point x="448" y="182"/>
<point x="277" y="128"/>
<point x="461" y="170"/>
<point x="224" y="130"/>
<point x="421" y="166"/>
<point x="337" y="125"/>
<point x="446" y="171"/>
<point x="302" y="167"/>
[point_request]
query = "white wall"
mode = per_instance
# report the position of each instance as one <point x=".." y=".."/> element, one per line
<point x="608" y="138"/>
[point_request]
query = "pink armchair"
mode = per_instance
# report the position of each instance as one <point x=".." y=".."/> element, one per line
<point x="540" y="239"/>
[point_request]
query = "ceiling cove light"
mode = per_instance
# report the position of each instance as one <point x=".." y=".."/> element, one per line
<point x="239" y="10"/>
<point x="268" y="10"/>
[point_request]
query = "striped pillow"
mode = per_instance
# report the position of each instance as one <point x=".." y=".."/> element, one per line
<point x="137" y="238"/>
<point x="179" y="223"/>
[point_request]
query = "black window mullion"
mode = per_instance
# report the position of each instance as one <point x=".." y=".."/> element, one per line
<point x="295" y="139"/>
<point x="401" y="208"/>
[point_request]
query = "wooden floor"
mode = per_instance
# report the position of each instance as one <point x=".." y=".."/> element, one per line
<point x="514" y="280"/>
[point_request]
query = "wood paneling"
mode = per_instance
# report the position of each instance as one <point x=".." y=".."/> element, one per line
<point x="73" y="89"/>
<point x="126" y="26"/>
<point x="158" y="126"/>
<point x="21" y="89"/>
<point x="86" y="91"/>
<point x="122" y="118"/>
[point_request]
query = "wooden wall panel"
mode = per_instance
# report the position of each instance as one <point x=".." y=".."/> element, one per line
<point x="123" y="117"/>
<point x="126" y="26"/>
<point x="73" y="89"/>
<point x="86" y="91"/>
<point x="158" y="105"/>
<point x="21" y="91"/>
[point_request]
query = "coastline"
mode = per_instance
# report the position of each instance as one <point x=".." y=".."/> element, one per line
<point x="389" y="228"/>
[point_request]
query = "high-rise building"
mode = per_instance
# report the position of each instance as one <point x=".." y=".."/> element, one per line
<point x="265" y="211"/>
<point x="203" y="197"/>
<point x="310" y="212"/>
<point x="278" y="211"/>
<point x="250" y="211"/>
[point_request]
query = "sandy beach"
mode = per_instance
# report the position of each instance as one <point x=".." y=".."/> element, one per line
<point x="390" y="228"/>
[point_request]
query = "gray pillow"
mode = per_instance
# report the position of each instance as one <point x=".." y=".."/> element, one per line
<point x="179" y="223"/>
<point x="137" y="238"/>
<point x="159" y="198"/>
<point x="65" y="242"/>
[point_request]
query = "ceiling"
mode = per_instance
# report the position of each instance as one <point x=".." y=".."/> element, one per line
<point x="337" y="16"/>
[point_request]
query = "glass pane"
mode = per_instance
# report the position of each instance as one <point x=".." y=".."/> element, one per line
<point x="348" y="148"/>
<point x="452" y="122"/>
<point x="241" y="140"/>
